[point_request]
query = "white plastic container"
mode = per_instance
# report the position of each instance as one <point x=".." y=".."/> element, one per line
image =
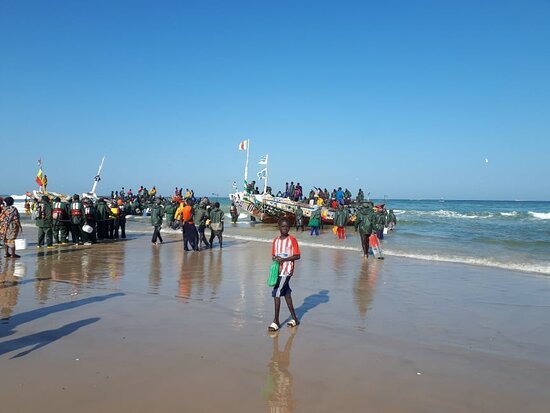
<point x="20" y="244"/>
<point x="87" y="229"/>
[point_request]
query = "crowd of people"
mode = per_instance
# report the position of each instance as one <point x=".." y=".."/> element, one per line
<point x="88" y="221"/>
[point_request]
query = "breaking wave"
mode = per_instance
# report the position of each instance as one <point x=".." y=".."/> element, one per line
<point x="539" y="215"/>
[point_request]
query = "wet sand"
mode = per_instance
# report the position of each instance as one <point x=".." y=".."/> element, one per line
<point x="131" y="327"/>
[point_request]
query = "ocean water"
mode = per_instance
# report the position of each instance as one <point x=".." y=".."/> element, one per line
<point x="511" y="235"/>
<point x="506" y="234"/>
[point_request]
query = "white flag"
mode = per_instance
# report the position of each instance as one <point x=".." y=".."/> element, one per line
<point x="263" y="160"/>
<point x="262" y="174"/>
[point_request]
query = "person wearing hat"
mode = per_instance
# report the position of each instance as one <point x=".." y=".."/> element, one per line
<point x="364" y="222"/>
<point x="315" y="221"/>
<point x="76" y="211"/>
<point x="44" y="222"/>
<point x="113" y="221"/>
<point x="121" y="218"/>
<point x="60" y="215"/>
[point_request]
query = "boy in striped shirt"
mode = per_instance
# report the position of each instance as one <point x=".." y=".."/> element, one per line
<point x="285" y="251"/>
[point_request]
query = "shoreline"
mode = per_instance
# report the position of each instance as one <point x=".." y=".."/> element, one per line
<point x="128" y="325"/>
<point x="539" y="270"/>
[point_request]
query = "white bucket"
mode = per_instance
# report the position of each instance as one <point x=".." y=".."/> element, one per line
<point x="20" y="244"/>
<point x="385" y="230"/>
<point x="88" y="229"/>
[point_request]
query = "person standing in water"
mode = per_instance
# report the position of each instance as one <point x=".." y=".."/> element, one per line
<point x="285" y="251"/>
<point x="315" y="221"/>
<point x="340" y="220"/>
<point x="216" y="217"/>
<point x="234" y="213"/>
<point x="299" y="218"/>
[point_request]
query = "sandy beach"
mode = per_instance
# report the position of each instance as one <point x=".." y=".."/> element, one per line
<point x="127" y="326"/>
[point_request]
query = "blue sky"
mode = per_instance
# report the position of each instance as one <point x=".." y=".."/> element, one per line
<point x="401" y="98"/>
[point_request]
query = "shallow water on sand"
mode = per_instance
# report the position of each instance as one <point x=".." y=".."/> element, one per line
<point x="131" y="326"/>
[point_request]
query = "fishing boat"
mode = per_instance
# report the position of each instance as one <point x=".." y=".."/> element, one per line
<point x="268" y="208"/>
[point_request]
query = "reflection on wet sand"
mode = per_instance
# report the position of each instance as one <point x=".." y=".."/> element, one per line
<point x="365" y="285"/>
<point x="279" y="386"/>
<point x="10" y="273"/>
<point x="214" y="273"/>
<point x="77" y="267"/>
<point x="200" y="275"/>
<point x="155" y="271"/>
<point x="191" y="275"/>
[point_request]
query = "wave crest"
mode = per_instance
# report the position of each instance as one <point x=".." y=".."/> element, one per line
<point x="540" y="215"/>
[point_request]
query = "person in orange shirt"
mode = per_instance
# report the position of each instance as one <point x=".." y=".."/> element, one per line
<point x="190" y="234"/>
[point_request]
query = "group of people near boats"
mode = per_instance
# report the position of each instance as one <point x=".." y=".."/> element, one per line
<point x="86" y="220"/>
<point x="192" y="217"/>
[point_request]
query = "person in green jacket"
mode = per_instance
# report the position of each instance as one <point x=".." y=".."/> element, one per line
<point x="340" y="220"/>
<point x="360" y="197"/>
<point x="76" y="211"/>
<point x="392" y="220"/>
<point x="199" y="218"/>
<point x="364" y="223"/>
<point x="234" y="213"/>
<point x="44" y="222"/>
<point x="299" y="214"/>
<point x="216" y="224"/>
<point x="170" y="211"/>
<point x="315" y="221"/>
<point x="60" y="217"/>
<point x="90" y="217"/>
<point x="102" y="219"/>
<point x="157" y="212"/>
<point x="380" y="223"/>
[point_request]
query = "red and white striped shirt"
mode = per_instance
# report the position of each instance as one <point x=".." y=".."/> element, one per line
<point x="285" y="248"/>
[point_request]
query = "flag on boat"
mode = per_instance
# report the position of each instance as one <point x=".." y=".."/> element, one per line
<point x="243" y="146"/>
<point x="39" y="177"/>
<point x="263" y="160"/>
<point x="262" y="174"/>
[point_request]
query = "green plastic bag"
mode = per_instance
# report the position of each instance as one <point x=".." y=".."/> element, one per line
<point x="273" y="274"/>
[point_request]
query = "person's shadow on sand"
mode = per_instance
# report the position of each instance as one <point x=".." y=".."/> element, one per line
<point x="310" y="302"/>
<point x="43" y="338"/>
<point x="8" y="325"/>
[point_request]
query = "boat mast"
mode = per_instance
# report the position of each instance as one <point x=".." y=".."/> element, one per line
<point x="97" y="178"/>
<point x="266" y="164"/>
<point x="246" y="165"/>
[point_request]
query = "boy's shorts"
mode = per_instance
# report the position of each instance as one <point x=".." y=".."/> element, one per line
<point x="282" y="287"/>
